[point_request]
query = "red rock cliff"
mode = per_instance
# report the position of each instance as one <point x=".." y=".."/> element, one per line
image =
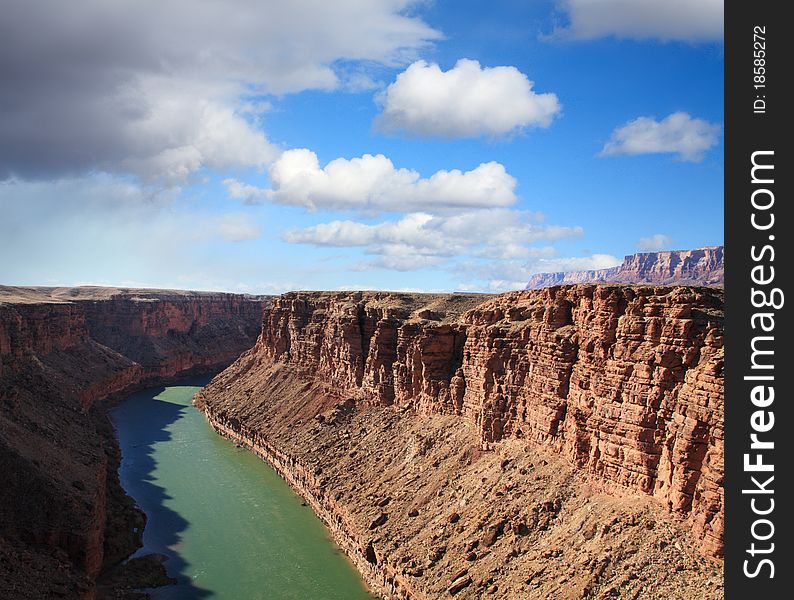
<point x="625" y="382"/>
<point x="63" y="516"/>
<point x="702" y="266"/>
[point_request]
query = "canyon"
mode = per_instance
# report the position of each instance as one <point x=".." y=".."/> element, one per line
<point x="559" y="443"/>
<point x="565" y="442"/>
<point x="66" y="354"/>
<point x="702" y="266"/>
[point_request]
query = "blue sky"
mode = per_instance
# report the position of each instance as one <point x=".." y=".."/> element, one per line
<point x="190" y="148"/>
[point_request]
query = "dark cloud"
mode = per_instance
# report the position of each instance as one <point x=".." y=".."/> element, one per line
<point x="153" y="87"/>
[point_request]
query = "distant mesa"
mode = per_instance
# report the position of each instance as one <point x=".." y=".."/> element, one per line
<point x="702" y="266"/>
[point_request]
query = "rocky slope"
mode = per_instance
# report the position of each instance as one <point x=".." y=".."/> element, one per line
<point x="703" y="266"/>
<point x="64" y="519"/>
<point x="561" y="443"/>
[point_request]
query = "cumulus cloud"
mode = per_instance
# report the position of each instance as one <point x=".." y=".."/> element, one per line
<point x="420" y="239"/>
<point x="677" y="133"/>
<point x="371" y="183"/>
<point x="654" y="243"/>
<point x="180" y="135"/>
<point x="161" y="89"/>
<point x="249" y="194"/>
<point x="466" y="101"/>
<point x="666" y="20"/>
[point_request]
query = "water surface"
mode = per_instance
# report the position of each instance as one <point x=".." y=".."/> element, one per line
<point x="232" y="528"/>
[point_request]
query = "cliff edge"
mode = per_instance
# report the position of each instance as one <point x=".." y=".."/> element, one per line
<point x="565" y="442"/>
<point x="64" y="518"/>
<point x="702" y="266"/>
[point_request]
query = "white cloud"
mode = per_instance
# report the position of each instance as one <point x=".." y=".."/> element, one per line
<point x="654" y="243"/>
<point x="249" y="194"/>
<point x="93" y="227"/>
<point x="686" y="20"/>
<point x="238" y="228"/>
<point x="419" y="239"/>
<point x="371" y="183"/>
<point x="360" y="81"/>
<point x="400" y="258"/>
<point x="677" y="133"/>
<point x="180" y="135"/>
<point x="466" y="101"/>
<point x="162" y="89"/>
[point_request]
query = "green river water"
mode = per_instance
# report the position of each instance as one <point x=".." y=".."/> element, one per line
<point x="232" y="528"/>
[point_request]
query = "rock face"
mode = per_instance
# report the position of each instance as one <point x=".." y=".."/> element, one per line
<point x="418" y="400"/>
<point x="64" y="518"/>
<point x="703" y="266"/>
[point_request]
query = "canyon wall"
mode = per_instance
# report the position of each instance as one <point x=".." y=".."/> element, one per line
<point x="64" y="518"/>
<point x="624" y="384"/>
<point x="702" y="266"/>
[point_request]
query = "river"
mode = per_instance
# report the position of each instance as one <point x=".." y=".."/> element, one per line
<point x="233" y="529"/>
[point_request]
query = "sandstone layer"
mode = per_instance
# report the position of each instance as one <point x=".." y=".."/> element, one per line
<point x="702" y="266"/>
<point x="561" y="443"/>
<point x="64" y="518"/>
